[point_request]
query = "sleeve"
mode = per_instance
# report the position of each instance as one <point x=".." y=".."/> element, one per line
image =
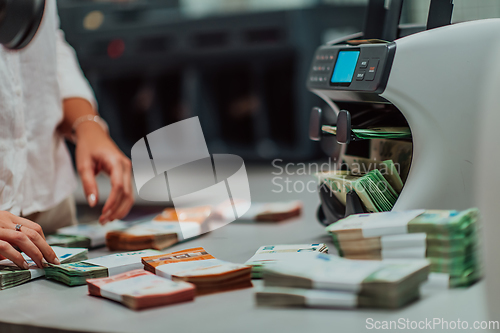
<point x="72" y="82"/>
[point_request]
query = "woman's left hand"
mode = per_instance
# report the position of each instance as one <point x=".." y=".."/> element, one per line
<point x="95" y="151"/>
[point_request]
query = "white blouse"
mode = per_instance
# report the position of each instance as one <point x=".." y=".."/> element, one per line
<point x="36" y="172"/>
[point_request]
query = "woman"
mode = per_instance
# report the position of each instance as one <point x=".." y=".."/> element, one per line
<point x="44" y="97"/>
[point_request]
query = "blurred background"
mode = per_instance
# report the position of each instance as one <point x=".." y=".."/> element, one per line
<point x="240" y="65"/>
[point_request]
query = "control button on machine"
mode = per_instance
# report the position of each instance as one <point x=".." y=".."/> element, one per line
<point x="372" y="69"/>
<point x="360" y="76"/>
<point x="363" y="63"/>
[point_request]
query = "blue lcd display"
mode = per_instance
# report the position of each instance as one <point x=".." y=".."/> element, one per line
<point x="345" y="66"/>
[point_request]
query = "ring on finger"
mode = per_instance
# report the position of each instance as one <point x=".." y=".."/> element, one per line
<point x="18" y="227"/>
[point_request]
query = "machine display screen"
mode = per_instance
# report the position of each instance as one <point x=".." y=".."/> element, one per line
<point x="345" y="66"/>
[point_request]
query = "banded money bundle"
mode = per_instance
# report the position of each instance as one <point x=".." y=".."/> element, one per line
<point x="320" y="280"/>
<point x="68" y="241"/>
<point x="11" y="275"/>
<point x="269" y="254"/>
<point x="139" y="289"/>
<point x="378" y="188"/>
<point x="75" y="274"/>
<point x="208" y="274"/>
<point x="447" y="239"/>
<point x="265" y="211"/>
<point x="165" y="230"/>
<point x="93" y="233"/>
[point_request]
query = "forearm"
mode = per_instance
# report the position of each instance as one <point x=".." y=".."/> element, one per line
<point x="73" y="109"/>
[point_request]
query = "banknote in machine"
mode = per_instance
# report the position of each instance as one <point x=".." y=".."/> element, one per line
<point x="268" y="254"/>
<point x="396" y="150"/>
<point x="374" y="191"/>
<point x="11" y="275"/>
<point x="75" y="274"/>
<point x="140" y="289"/>
<point x="195" y="265"/>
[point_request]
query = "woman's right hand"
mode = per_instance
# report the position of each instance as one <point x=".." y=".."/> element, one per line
<point x="30" y="239"/>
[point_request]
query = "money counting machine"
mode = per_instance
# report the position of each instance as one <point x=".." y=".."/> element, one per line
<point x="435" y="79"/>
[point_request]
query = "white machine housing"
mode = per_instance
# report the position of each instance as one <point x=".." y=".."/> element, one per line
<point x="436" y="78"/>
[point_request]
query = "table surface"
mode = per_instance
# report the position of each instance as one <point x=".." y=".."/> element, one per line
<point x="44" y="303"/>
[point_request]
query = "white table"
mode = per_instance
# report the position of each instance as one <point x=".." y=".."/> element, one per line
<point x="47" y="304"/>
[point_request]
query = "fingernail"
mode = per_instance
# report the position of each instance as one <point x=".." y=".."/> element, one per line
<point x="56" y="261"/>
<point x="91" y="199"/>
<point x="25" y="265"/>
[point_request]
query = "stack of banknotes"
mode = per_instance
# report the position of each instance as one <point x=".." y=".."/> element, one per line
<point x="269" y="254"/>
<point x="165" y="230"/>
<point x="447" y="239"/>
<point x="75" y="274"/>
<point x="92" y="234"/>
<point x="208" y="274"/>
<point x="11" y="275"/>
<point x="139" y="289"/>
<point x="378" y="185"/>
<point x="68" y="241"/>
<point x="321" y="280"/>
<point x="265" y="211"/>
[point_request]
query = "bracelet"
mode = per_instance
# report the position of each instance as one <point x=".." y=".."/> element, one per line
<point x="88" y="117"/>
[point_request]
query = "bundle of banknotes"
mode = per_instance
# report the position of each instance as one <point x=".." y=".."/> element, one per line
<point x="139" y="289"/>
<point x="85" y="235"/>
<point x="163" y="231"/>
<point x="377" y="189"/>
<point x="208" y="274"/>
<point x="447" y="239"/>
<point x="75" y="274"/>
<point x="269" y="254"/>
<point x="11" y="275"/>
<point x="321" y="280"/>
<point x="265" y="211"/>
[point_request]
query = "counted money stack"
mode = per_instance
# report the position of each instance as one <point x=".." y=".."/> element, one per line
<point x="139" y="289"/>
<point x="208" y="274"/>
<point x="92" y="234"/>
<point x="378" y="185"/>
<point x="269" y="254"/>
<point x="75" y="274"/>
<point x="321" y="280"/>
<point x="265" y="211"/>
<point x="68" y="241"/>
<point x="447" y="239"/>
<point x="11" y="275"/>
<point x="165" y="230"/>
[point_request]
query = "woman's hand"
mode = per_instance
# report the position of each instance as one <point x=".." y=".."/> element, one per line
<point x="30" y="239"/>
<point x="95" y="151"/>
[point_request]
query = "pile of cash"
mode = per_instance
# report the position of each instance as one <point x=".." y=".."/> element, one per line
<point x="374" y="133"/>
<point x="321" y="280"/>
<point x="68" y="241"/>
<point x="11" y="275"/>
<point x="165" y="230"/>
<point x="93" y="233"/>
<point x="377" y="189"/>
<point x="265" y="211"/>
<point x="75" y="274"/>
<point x="269" y="254"/>
<point x="139" y="289"/>
<point x="447" y="239"/>
<point x="208" y="274"/>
